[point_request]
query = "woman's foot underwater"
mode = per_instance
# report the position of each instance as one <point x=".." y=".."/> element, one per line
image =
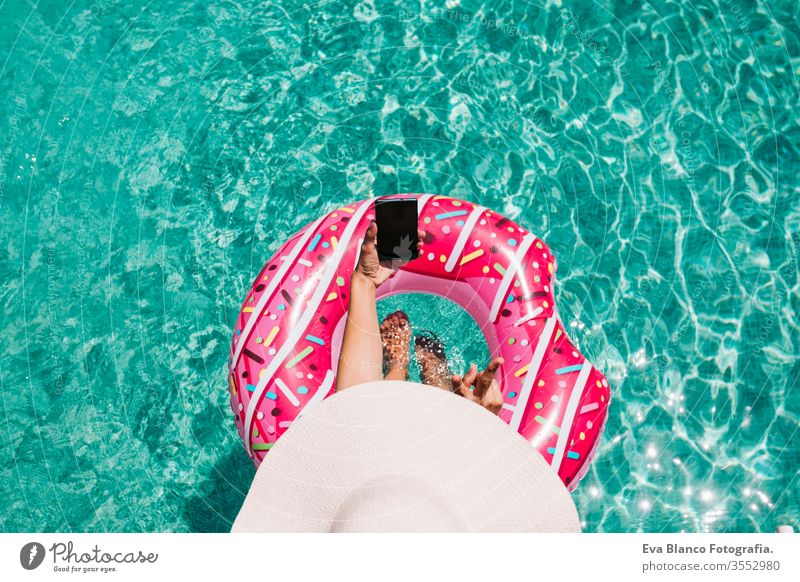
<point x="395" y="335"/>
<point x="432" y="360"/>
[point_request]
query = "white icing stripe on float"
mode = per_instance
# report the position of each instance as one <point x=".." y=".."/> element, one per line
<point x="502" y="291"/>
<point x="323" y="390"/>
<point x="528" y="317"/>
<point x="286" y="392"/>
<point x="299" y="328"/>
<point x="569" y="415"/>
<point x="533" y="371"/>
<point x="421" y="202"/>
<point x="461" y="242"/>
<point x="273" y="284"/>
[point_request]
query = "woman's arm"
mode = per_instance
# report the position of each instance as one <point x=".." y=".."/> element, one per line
<point x="361" y="357"/>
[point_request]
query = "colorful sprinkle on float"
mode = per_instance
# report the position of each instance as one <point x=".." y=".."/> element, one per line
<point x="287" y="336"/>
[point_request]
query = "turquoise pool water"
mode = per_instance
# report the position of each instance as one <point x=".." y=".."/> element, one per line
<point x="154" y="155"/>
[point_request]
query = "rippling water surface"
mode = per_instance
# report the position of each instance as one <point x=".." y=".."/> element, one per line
<point x="154" y="155"/>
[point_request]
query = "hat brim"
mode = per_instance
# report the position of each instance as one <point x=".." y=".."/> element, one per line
<point x="438" y="449"/>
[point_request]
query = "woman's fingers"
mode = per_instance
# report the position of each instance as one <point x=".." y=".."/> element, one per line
<point x="420" y="241"/>
<point x="371" y="234"/>
<point x="493" y="399"/>
<point x="486" y="377"/>
<point x="470" y="376"/>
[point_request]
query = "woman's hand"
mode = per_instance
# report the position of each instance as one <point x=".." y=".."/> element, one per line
<point x="370" y="266"/>
<point x="480" y="388"/>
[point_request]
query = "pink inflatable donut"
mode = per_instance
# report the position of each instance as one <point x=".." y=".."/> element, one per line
<point x="286" y="340"/>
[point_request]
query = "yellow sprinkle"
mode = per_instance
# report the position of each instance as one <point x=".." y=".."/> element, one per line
<point x="541" y="382"/>
<point x="442" y="258"/>
<point x="334" y="241"/>
<point x="582" y="436"/>
<point x="521" y="371"/>
<point x="331" y="296"/>
<point x="550" y="267"/>
<point x="261" y="372"/>
<point x="427" y="220"/>
<point x="232" y="384"/>
<point x="485" y="269"/>
<point x="271" y="336"/>
<point x="265" y="278"/>
<point x="247" y="310"/>
<point x="473" y="255"/>
<point x="545" y="304"/>
<point x="598" y="384"/>
<point x="346" y="209"/>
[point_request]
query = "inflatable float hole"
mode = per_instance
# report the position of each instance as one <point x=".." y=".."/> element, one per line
<point x="460" y="333"/>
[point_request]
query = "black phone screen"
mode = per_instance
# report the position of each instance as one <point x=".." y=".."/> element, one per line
<point x="397" y="228"/>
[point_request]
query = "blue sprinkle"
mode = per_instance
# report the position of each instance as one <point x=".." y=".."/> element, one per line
<point x="325" y="245"/>
<point x="281" y="307"/>
<point x="271" y="395"/>
<point x="251" y="387"/>
<point x="510" y="299"/>
<point x="453" y="214"/>
<point x="512" y="242"/>
<point x="315" y="339"/>
<point x="302" y="390"/>
<point x="567" y="369"/>
<point x="314" y="242"/>
<point x="570" y="454"/>
<point x="512" y="394"/>
<point x="238" y="332"/>
<point x="460" y="223"/>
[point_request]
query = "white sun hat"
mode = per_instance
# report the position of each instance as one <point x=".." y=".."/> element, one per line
<point x="396" y="456"/>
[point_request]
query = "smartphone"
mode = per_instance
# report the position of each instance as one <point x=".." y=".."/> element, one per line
<point x="397" y="228"/>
